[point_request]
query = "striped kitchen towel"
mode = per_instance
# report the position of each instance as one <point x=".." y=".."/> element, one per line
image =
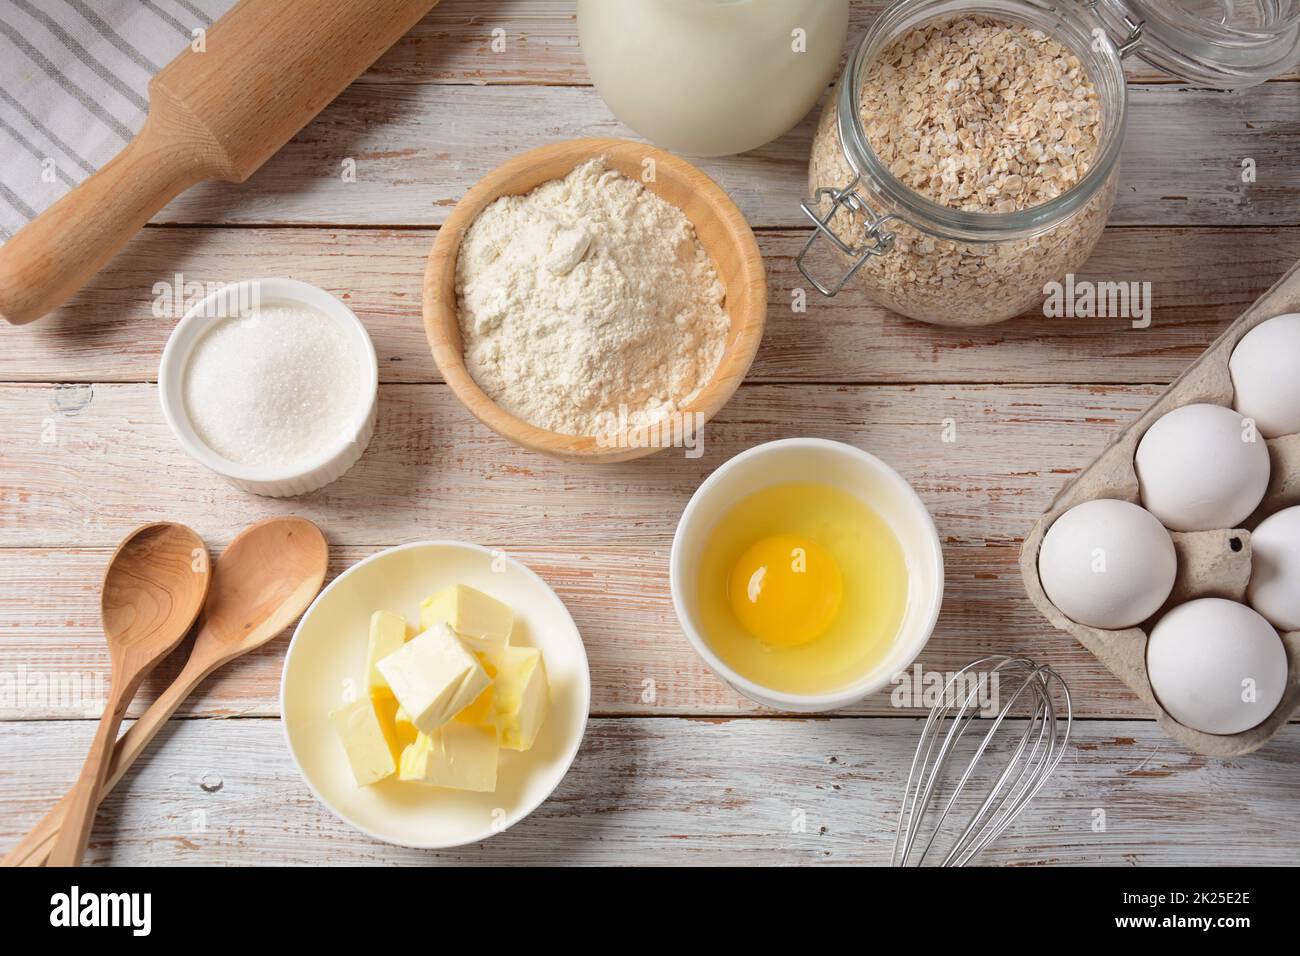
<point x="73" y="87"/>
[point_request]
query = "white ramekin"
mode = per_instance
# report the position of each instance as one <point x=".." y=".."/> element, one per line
<point x="850" y="469"/>
<point x="214" y="308"/>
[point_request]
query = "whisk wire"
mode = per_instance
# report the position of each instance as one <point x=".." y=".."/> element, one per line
<point x="982" y="817"/>
<point x="920" y="760"/>
<point x="1039" y="766"/>
<point x="959" y="789"/>
<point x="955" y="732"/>
<point x="1038" y="783"/>
<point x="1030" y="761"/>
<point x="1011" y="800"/>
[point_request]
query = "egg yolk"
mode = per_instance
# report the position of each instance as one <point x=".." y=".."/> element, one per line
<point x="785" y="590"/>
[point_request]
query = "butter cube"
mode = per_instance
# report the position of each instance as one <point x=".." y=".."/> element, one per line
<point x="520" y="697"/>
<point x="483" y="623"/>
<point x="387" y="634"/>
<point x="373" y="751"/>
<point x="434" y="677"/>
<point x="456" y="756"/>
<point x="479" y="713"/>
<point x="404" y="726"/>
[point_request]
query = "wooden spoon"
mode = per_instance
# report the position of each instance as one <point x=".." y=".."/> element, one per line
<point x="153" y="589"/>
<point x="267" y="577"/>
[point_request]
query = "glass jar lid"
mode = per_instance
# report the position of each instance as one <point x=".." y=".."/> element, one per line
<point x="1224" y="44"/>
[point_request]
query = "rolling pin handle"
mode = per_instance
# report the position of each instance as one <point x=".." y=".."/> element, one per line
<point x="56" y="253"/>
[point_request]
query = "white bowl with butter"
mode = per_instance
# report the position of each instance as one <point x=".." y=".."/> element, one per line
<point x="326" y="662"/>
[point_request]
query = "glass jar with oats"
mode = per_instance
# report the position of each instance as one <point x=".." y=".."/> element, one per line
<point x="969" y="154"/>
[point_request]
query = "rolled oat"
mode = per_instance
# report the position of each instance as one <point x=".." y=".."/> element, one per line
<point x="984" y="116"/>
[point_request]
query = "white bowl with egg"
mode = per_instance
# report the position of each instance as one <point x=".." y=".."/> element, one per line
<point x="327" y="655"/>
<point x="841" y="466"/>
<point x="299" y="420"/>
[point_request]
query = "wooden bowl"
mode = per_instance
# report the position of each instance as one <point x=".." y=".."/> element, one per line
<point x="719" y="225"/>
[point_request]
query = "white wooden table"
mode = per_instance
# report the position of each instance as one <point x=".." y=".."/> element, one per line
<point x="692" y="773"/>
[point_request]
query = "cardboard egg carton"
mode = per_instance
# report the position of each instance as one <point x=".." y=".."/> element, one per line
<point x="1210" y="563"/>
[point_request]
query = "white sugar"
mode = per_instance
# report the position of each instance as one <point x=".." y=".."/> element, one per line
<point x="276" y="388"/>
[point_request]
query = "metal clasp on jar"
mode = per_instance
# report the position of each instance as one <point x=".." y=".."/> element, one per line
<point x="878" y="240"/>
<point x="1132" y="41"/>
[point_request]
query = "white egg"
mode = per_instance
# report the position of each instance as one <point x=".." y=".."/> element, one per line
<point x="1274" y="589"/>
<point x="1216" y="666"/>
<point x="1107" y="563"/>
<point x="1265" y="369"/>
<point x="1202" y="467"/>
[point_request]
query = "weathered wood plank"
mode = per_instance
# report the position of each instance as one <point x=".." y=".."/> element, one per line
<point x="454" y="479"/>
<point x="453" y="44"/>
<point x="417" y="150"/>
<point x="84" y="463"/>
<point x="52" y="650"/>
<point x="677" y="792"/>
<point x="1201" y="279"/>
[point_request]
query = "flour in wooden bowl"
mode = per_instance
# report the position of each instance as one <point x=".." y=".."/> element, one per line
<point x="587" y="303"/>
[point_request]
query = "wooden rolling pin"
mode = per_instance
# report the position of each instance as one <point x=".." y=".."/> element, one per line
<point x="269" y="66"/>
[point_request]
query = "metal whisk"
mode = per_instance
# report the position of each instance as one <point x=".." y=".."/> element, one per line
<point x="1029" y="760"/>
